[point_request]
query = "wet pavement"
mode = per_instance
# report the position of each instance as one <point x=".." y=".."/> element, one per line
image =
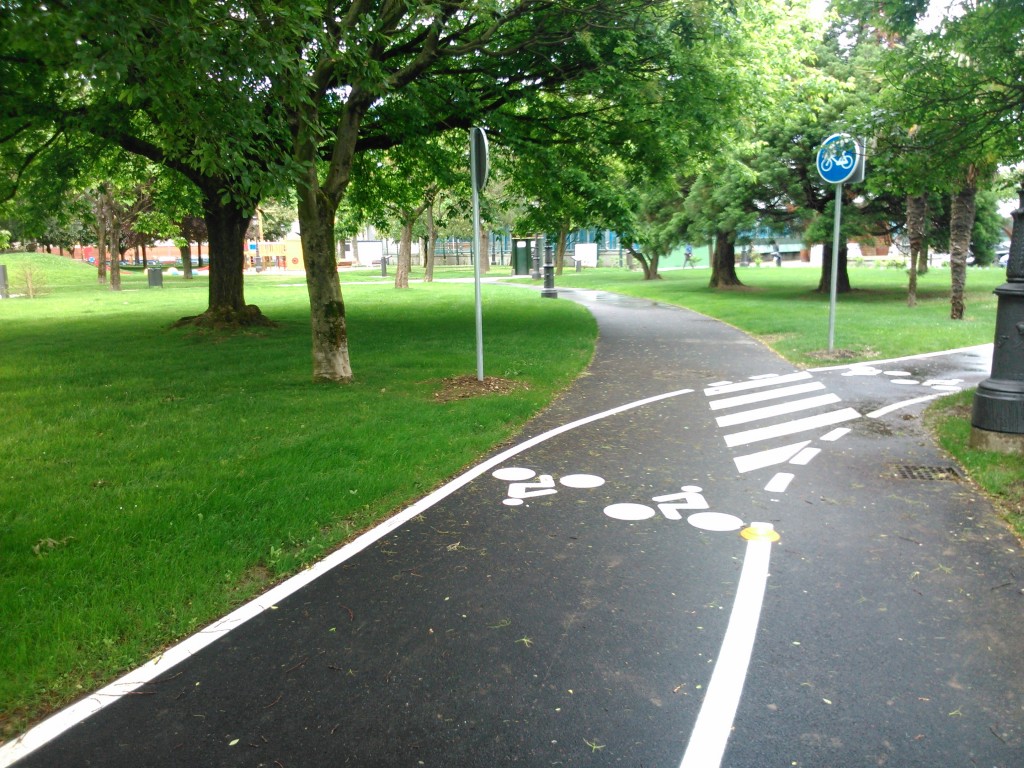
<point x="698" y="556"/>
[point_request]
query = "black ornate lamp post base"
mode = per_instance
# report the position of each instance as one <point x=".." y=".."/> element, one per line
<point x="997" y="417"/>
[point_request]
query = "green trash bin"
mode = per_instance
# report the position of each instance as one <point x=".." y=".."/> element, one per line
<point x="522" y="256"/>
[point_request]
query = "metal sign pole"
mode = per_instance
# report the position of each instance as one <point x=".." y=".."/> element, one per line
<point x="476" y="291"/>
<point x="835" y="268"/>
<point x="479" y="167"/>
<point x="840" y="159"/>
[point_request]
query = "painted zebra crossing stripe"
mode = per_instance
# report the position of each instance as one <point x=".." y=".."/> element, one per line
<point x="770" y="457"/>
<point x="760" y="398"/>
<point x="781" y="409"/>
<point x="742" y="386"/>
<point x="791" y="427"/>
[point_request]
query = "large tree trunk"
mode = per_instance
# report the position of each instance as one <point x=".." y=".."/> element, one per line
<point x="961" y="223"/>
<point x="115" y="249"/>
<point x="649" y="264"/>
<point x="404" y="265"/>
<point x="917" y="211"/>
<point x="101" y="237"/>
<point x="484" y="250"/>
<point x="186" y="260"/>
<point x="326" y="306"/>
<point x="431" y="249"/>
<point x="226" y="226"/>
<point x="723" y="262"/>
<point x="560" y="244"/>
<point x="842" y="275"/>
<point x="318" y="205"/>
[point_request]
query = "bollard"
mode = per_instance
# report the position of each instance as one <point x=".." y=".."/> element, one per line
<point x="549" y="291"/>
<point x="537" y="246"/>
<point x="5" y="291"/>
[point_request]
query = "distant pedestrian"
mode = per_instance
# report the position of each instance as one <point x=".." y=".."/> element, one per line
<point x="689" y="256"/>
<point x="776" y="254"/>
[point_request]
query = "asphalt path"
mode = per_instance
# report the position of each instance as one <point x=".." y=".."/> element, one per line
<point x="698" y="556"/>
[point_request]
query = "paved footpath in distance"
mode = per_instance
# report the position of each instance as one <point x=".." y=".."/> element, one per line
<point x="699" y="556"/>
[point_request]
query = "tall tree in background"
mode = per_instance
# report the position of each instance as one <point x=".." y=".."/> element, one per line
<point x="401" y="184"/>
<point x="382" y="75"/>
<point x="960" y="86"/>
<point x="198" y="89"/>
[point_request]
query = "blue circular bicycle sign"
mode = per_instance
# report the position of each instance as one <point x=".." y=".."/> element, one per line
<point x="839" y="158"/>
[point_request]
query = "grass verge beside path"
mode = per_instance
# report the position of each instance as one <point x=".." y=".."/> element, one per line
<point x="152" y="479"/>
<point x="780" y="307"/>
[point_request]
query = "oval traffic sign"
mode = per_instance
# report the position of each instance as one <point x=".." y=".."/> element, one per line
<point x="838" y="158"/>
<point x="479" y="158"/>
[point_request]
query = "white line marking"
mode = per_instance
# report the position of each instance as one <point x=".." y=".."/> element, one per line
<point x="804" y="457"/>
<point x="835" y="434"/>
<point x="779" y="483"/>
<point x="779" y="409"/>
<point x="980" y="349"/>
<point x="756" y="384"/>
<point x="791" y="427"/>
<point x="901" y="404"/>
<point x="760" y="397"/>
<point x="76" y="713"/>
<point x="763" y="459"/>
<point x="717" y="713"/>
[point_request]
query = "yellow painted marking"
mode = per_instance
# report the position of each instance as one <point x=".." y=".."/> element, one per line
<point x="760" y="532"/>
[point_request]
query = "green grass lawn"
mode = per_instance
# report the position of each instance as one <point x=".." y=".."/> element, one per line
<point x="152" y="479"/>
<point x="782" y="308"/>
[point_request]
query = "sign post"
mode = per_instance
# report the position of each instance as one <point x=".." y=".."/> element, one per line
<point x="479" y="167"/>
<point x="840" y="161"/>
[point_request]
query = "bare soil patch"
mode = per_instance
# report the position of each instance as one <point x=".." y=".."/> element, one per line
<point x="462" y="387"/>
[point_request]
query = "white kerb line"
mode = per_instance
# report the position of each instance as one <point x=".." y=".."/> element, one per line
<point x="717" y="713"/>
<point x="58" y="723"/>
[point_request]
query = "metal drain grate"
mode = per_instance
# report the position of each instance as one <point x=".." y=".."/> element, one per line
<point x="917" y="472"/>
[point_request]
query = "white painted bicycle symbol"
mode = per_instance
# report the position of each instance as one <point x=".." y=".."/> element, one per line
<point x="833" y="159"/>
<point x="525" y="484"/>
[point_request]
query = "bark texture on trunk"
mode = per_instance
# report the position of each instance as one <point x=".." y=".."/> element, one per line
<point x="226" y="226"/>
<point x="404" y="266"/>
<point x="115" y="251"/>
<point x="560" y="246"/>
<point x="961" y="224"/>
<point x="186" y="260"/>
<point x="326" y="306"/>
<point x="917" y="211"/>
<point x="723" y="262"/>
<point x="649" y="263"/>
<point x="483" y="248"/>
<point x="431" y="249"/>
<point x="101" y="238"/>
<point x="842" y="275"/>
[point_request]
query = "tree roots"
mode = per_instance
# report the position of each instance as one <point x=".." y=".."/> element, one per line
<point x="228" y="318"/>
